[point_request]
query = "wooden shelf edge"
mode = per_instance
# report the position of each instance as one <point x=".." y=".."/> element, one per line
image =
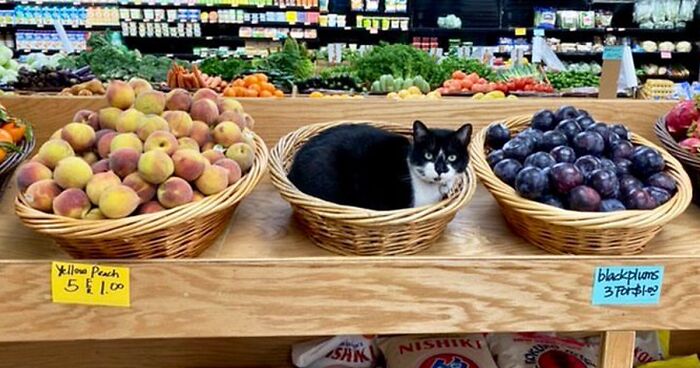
<point x="266" y="298"/>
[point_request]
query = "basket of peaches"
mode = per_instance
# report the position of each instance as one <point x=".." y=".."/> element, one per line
<point x="152" y="175"/>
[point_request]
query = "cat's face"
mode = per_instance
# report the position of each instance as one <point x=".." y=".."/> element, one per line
<point x="438" y="155"/>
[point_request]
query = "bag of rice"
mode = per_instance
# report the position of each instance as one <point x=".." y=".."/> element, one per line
<point x="336" y="352"/>
<point x="532" y="350"/>
<point x="463" y="351"/>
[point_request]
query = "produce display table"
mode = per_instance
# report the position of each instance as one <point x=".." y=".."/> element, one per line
<point x="263" y="285"/>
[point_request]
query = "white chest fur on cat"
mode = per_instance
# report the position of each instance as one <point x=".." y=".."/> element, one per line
<point x="425" y="193"/>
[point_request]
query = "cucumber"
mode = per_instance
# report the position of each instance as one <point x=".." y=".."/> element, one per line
<point x="376" y="87"/>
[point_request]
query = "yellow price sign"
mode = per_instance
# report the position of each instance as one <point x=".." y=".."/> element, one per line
<point x="76" y="283"/>
<point x="520" y="31"/>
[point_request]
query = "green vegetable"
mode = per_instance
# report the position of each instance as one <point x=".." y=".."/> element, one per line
<point x="110" y="61"/>
<point x="398" y="60"/>
<point x="228" y="69"/>
<point x="573" y="79"/>
<point x="293" y="60"/>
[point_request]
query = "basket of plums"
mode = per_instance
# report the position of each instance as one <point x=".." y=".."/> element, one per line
<point x="571" y="185"/>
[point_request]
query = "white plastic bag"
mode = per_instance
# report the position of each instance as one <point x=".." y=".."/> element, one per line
<point x="534" y="350"/>
<point x="337" y="352"/>
<point x="464" y="351"/>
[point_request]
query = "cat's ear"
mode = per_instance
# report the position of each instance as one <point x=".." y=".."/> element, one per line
<point x="420" y="131"/>
<point x="464" y="134"/>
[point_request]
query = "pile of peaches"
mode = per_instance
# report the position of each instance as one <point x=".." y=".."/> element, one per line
<point x="147" y="152"/>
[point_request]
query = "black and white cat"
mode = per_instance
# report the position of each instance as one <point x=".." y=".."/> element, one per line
<point x="362" y="166"/>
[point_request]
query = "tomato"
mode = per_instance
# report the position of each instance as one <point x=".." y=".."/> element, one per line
<point x="479" y="88"/>
<point x="511" y="86"/>
<point x="482" y="81"/>
<point x="459" y="75"/>
<point x="16" y="130"/>
<point x="501" y="86"/>
<point x="519" y="84"/>
<point x="528" y="87"/>
<point x="467" y="84"/>
<point x="447" y="83"/>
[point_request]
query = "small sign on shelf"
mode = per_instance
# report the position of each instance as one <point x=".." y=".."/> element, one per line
<point x="627" y="285"/>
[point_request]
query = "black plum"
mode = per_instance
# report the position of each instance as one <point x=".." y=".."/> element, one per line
<point x="518" y="148"/>
<point x="563" y="154"/>
<point x="606" y="163"/>
<point x="660" y="195"/>
<point x="621" y="131"/>
<point x="584" y="121"/>
<point x="553" y="138"/>
<point x="543" y="120"/>
<point x="628" y="183"/>
<point x="534" y="135"/>
<point x="566" y="112"/>
<point x="507" y="170"/>
<point x="605" y="182"/>
<point x="600" y="128"/>
<point x="565" y="176"/>
<point x="663" y="181"/>
<point x="611" y="205"/>
<point x="552" y="201"/>
<point x="497" y="135"/>
<point x="587" y="164"/>
<point x="495" y="157"/>
<point x="621" y="149"/>
<point x="640" y="199"/>
<point x="647" y="161"/>
<point x="584" y="198"/>
<point x="588" y="143"/>
<point x="623" y="166"/>
<point x="540" y="160"/>
<point x="569" y="127"/>
<point x="531" y="183"/>
<point x="582" y="112"/>
<point x="612" y="139"/>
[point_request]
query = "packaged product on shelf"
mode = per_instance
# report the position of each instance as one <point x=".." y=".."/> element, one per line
<point x="567" y="19"/>
<point x="357" y="5"/>
<point x="690" y="361"/>
<point x="586" y="19"/>
<point x="534" y="350"/>
<point x="372" y="5"/>
<point x="603" y="18"/>
<point x="545" y="18"/>
<point x="437" y="351"/>
<point x="337" y="352"/>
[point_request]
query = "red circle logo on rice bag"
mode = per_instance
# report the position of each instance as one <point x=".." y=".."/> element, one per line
<point x="558" y="359"/>
<point x="448" y="361"/>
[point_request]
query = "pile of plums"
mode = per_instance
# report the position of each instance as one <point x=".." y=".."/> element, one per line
<point x="568" y="160"/>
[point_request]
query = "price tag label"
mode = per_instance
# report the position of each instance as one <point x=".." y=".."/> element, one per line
<point x="613" y="52"/>
<point x="627" y="285"/>
<point x="538" y="32"/>
<point x="665" y="55"/>
<point x="76" y="283"/>
<point x="520" y="31"/>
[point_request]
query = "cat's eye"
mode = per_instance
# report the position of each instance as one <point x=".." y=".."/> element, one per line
<point x="452" y="158"/>
<point x="428" y="156"/>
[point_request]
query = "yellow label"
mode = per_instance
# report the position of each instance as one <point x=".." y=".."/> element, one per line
<point x="520" y="31"/>
<point x="77" y="283"/>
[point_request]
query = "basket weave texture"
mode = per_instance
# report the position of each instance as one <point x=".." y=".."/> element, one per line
<point x="181" y="232"/>
<point x="690" y="162"/>
<point x="348" y="230"/>
<point x="561" y="231"/>
<point x="13" y="160"/>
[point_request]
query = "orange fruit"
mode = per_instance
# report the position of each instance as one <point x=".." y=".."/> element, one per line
<point x="238" y="83"/>
<point x="255" y="87"/>
<point x="230" y="92"/>
<point x="251" y="92"/>
<point x="261" y="77"/>
<point x="15" y="130"/>
<point x="268" y="87"/>
<point x="250" y="80"/>
<point x="266" y="94"/>
<point x="4" y="137"/>
<point x="278" y="93"/>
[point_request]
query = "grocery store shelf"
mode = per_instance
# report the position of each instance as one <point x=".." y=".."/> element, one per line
<point x="50" y="27"/>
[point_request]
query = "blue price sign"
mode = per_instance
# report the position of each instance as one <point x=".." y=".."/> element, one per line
<point x="613" y="52"/>
<point x="538" y="32"/>
<point x="627" y="285"/>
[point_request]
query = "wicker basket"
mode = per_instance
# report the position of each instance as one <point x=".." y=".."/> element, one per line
<point x="570" y="232"/>
<point x="13" y="159"/>
<point x="690" y="162"/>
<point x="350" y="230"/>
<point x="181" y="232"/>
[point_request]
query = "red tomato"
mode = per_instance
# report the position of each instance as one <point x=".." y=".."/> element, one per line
<point x="459" y="75"/>
<point x="519" y="84"/>
<point x="467" y="84"/>
<point x="528" y="87"/>
<point x="511" y="86"/>
<point x="502" y="87"/>
<point x="473" y="77"/>
<point x="447" y="83"/>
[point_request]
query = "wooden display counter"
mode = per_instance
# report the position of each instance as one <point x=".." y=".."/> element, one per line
<point x="263" y="284"/>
